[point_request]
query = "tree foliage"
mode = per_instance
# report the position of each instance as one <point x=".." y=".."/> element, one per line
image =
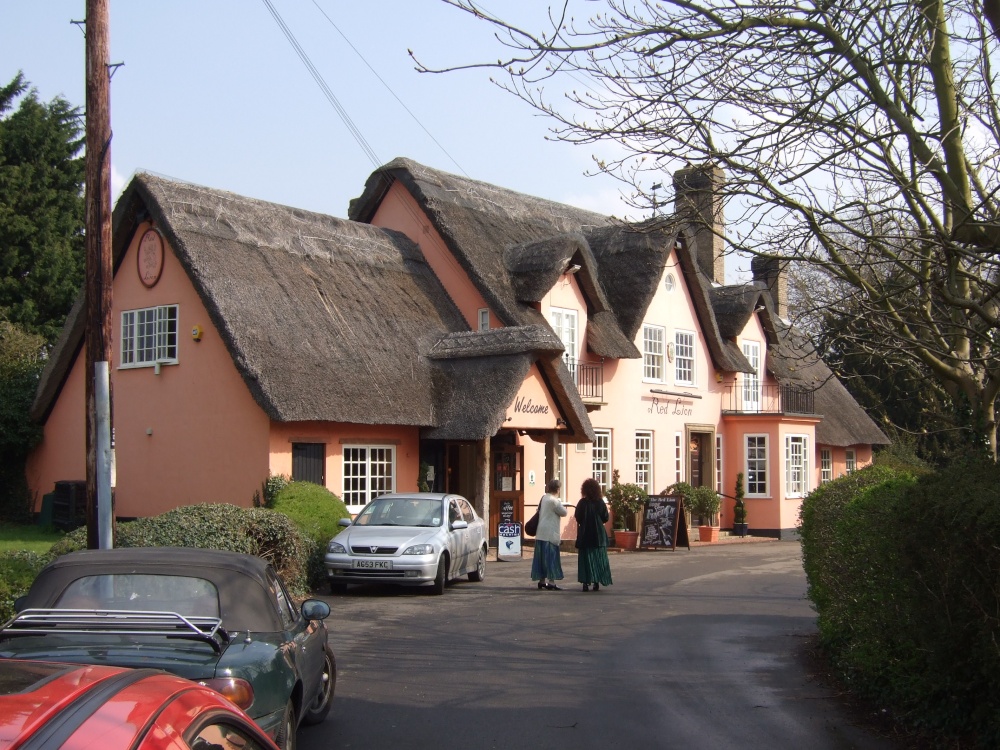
<point x="858" y="137"/>
<point x="41" y="209"/>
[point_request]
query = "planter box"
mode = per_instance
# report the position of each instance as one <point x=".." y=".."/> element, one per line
<point x="626" y="539"/>
<point x="740" y="529"/>
<point x="708" y="533"/>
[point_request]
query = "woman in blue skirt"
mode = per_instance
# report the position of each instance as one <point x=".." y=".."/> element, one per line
<point x="546" y="567"/>
<point x="593" y="567"/>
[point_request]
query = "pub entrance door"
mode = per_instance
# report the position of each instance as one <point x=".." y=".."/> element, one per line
<point x="506" y="488"/>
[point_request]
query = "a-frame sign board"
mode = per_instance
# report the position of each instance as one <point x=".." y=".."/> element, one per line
<point x="664" y="525"/>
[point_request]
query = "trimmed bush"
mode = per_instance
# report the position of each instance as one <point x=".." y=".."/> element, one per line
<point x="904" y="572"/>
<point x="255" y="531"/>
<point x="17" y="571"/>
<point x="316" y="511"/>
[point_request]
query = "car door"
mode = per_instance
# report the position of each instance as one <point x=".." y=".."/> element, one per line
<point x="308" y="639"/>
<point x="459" y="539"/>
<point x="475" y="533"/>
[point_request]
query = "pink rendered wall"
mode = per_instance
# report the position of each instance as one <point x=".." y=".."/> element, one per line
<point x="405" y="441"/>
<point x="399" y="211"/>
<point x="190" y="434"/>
<point x="61" y="455"/>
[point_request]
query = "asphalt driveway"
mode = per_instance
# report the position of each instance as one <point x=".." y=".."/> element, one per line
<point x="689" y="649"/>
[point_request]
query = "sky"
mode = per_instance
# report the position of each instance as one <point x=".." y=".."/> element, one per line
<point x="212" y="92"/>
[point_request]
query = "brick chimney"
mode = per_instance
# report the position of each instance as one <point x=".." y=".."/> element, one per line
<point x="698" y="200"/>
<point x="770" y="271"/>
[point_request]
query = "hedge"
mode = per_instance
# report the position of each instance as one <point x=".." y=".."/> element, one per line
<point x="904" y="572"/>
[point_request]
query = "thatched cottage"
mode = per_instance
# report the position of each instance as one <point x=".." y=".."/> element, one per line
<point x="450" y="333"/>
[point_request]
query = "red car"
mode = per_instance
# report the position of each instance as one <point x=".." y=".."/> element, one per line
<point x="72" y="706"/>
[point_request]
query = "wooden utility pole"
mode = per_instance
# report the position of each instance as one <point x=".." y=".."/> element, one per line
<point x="100" y="513"/>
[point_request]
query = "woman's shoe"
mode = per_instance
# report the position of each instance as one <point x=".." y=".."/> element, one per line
<point x="597" y="587"/>
<point x="552" y="587"/>
<point x="541" y="584"/>
<point x="586" y="587"/>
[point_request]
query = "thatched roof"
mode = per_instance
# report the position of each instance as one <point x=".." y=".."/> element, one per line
<point x="325" y="319"/>
<point x="512" y="246"/>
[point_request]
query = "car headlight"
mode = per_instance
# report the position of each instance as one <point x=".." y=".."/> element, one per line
<point x="419" y="549"/>
<point x="336" y="548"/>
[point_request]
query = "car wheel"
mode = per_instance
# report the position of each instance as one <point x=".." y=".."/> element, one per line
<point x="480" y="572"/>
<point x="320" y="707"/>
<point x="338" y="588"/>
<point x="442" y="576"/>
<point x="285" y="738"/>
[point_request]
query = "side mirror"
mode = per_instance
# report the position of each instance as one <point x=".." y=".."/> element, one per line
<point x="459" y="524"/>
<point x="315" y="609"/>
<point x="344" y="522"/>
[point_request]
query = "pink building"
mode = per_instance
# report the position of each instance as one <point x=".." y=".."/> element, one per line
<point x="454" y="333"/>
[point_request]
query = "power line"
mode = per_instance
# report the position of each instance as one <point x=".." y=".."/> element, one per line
<point x="327" y="92"/>
<point x="389" y="88"/>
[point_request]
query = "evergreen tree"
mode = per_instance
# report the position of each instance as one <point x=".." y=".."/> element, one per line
<point x="41" y="209"/>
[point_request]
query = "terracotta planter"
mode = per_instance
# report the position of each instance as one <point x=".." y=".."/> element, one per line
<point x="708" y="533"/>
<point x="626" y="539"/>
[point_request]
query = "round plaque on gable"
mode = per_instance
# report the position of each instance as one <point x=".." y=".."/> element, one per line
<point x="150" y="258"/>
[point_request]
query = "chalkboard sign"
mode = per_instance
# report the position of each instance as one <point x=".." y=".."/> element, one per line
<point x="663" y="523"/>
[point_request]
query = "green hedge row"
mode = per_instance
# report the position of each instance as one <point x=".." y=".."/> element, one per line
<point x="291" y="535"/>
<point x="904" y="571"/>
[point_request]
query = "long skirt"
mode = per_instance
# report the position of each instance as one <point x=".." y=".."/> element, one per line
<point x="593" y="566"/>
<point x="545" y="563"/>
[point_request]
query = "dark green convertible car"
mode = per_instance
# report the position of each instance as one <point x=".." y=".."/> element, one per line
<point x="219" y="618"/>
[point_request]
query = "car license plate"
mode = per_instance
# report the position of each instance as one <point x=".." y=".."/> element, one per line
<point x="372" y="564"/>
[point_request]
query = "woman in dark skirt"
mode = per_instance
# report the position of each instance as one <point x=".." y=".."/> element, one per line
<point x="592" y="538"/>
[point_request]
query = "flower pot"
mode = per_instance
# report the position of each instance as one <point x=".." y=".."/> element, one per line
<point x="626" y="539"/>
<point x="708" y="533"/>
<point x="740" y="529"/>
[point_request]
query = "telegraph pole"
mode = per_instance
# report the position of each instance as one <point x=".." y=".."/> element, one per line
<point x="97" y="189"/>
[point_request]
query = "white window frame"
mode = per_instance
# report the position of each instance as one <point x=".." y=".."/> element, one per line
<point x="653" y="352"/>
<point x="484" y="319"/>
<point x="565" y="323"/>
<point x="684" y="357"/>
<point x="796" y="465"/>
<point x="600" y="461"/>
<point x="718" y="463"/>
<point x="678" y="458"/>
<point x="755" y="452"/>
<point x="644" y="460"/>
<point x="825" y="465"/>
<point x="851" y="460"/>
<point x="149" y="336"/>
<point x="561" y="469"/>
<point x="368" y="472"/>
<point x="751" y="381"/>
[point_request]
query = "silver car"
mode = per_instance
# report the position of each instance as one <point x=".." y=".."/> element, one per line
<point x="412" y="539"/>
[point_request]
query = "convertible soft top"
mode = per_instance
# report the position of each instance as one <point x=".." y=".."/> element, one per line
<point x="242" y="580"/>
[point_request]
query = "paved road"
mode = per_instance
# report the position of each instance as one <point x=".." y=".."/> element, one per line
<point x="689" y="649"/>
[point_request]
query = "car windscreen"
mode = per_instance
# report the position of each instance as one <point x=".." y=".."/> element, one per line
<point x="405" y="511"/>
<point x="185" y="595"/>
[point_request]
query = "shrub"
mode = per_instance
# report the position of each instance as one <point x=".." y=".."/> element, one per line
<point x="255" y="531"/>
<point x="626" y="500"/>
<point x="17" y="571"/>
<point x="904" y="572"/>
<point x="316" y="511"/>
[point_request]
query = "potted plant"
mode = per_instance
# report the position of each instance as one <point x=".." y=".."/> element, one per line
<point x="740" y="509"/>
<point x="626" y="501"/>
<point x="706" y="503"/>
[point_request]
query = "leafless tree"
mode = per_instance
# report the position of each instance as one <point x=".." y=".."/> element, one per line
<point x="860" y="137"/>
